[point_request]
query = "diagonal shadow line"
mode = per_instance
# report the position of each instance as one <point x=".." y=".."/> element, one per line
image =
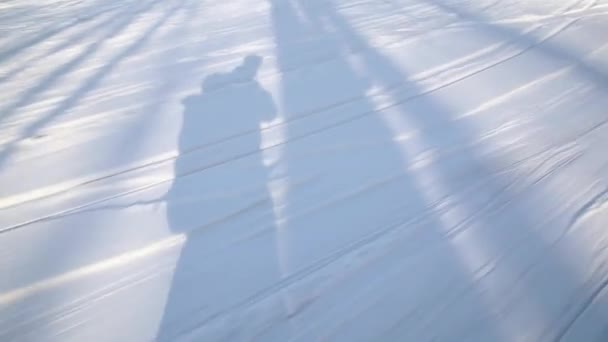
<point x="48" y="32"/>
<point x="285" y="33"/>
<point x="591" y="72"/>
<point x="66" y="68"/>
<point x="164" y="82"/>
<point x="94" y="80"/>
<point x="104" y="71"/>
<point x="41" y="319"/>
<point x="168" y="82"/>
<point x="427" y="113"/>
<point x="69" y="42"/>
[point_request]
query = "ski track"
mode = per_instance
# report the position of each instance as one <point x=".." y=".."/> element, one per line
<point x="430" y="170"/>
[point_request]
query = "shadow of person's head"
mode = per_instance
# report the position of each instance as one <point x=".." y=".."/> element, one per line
<point x="245" y="72"/>
<point x="249" y="68"/>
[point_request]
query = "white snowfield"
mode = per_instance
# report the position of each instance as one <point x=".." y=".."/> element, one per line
<point x="303" y="170"/>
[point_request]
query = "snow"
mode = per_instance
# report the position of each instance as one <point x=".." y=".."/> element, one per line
<point x="303" y="170"/>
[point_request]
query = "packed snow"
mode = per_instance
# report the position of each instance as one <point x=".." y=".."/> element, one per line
<point x="303" y="170"/>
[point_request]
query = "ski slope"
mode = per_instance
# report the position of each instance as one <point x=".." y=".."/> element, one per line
<point x="303" y="170"/>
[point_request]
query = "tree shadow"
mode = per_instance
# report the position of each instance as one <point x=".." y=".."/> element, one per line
<point x="366" y="193"/>
<point x="72" y="40"/>
<point x="50" y="31"/>
<point x="478" y="200"/>
<point x="64" y="254"/>
<point x="530" y="268"/>
<point x="90" y="83"/>
<point x="58" y="73"/>
<point x="527" y="42"/>
<point x="220" y="210"/>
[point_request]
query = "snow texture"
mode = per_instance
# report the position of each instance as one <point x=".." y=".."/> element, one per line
<point x="303" y="170"/>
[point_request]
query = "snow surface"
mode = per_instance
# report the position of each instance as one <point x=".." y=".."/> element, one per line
<point x="303" y="170"/>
